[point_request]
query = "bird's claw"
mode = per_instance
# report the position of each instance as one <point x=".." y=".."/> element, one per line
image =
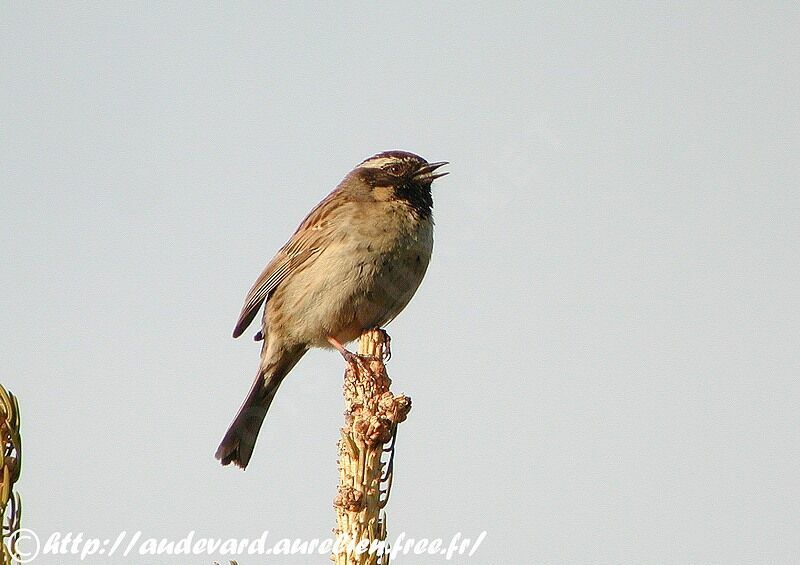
<point x="387" y="346"/>
<point x="357" y="361"/>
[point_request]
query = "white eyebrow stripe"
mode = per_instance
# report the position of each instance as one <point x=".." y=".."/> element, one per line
<point x="378" y="162"/>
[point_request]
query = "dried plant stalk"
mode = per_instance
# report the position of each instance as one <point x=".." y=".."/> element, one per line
<point x="10" y="504"/>
<point x="372" y="413"/>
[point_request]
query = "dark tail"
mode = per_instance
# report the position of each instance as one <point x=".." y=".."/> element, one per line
<point x="240" y="440"/>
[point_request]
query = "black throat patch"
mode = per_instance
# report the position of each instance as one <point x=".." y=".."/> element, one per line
<point x="417" y="195"/>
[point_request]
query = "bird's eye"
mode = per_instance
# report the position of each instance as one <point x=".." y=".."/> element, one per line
<point x="396" y="169"/>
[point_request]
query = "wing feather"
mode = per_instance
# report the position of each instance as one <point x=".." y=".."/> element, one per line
<point x="306" y="242"/>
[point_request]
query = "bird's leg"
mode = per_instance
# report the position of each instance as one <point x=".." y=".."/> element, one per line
<point x="348" y="355"/>
<point x="355" y="359"/>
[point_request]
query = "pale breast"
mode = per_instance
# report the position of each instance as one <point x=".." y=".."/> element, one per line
<point x="365" y="276"/>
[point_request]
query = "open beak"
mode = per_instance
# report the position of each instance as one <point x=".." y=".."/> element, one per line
<point x="426" y="172"/>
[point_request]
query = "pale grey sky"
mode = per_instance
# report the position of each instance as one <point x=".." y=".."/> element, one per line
<point x="603" y="357"/>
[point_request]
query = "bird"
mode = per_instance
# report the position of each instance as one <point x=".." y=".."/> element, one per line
<point x="352" y="265"/>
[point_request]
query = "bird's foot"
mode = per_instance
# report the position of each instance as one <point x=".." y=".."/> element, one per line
<point x="355" y="360"/>
<point x="358" y="362"/>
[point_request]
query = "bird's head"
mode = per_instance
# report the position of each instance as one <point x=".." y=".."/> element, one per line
<point x="399" y="175"/>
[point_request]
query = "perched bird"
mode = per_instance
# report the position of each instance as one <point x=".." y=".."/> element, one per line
<point x="352" y="265"/>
